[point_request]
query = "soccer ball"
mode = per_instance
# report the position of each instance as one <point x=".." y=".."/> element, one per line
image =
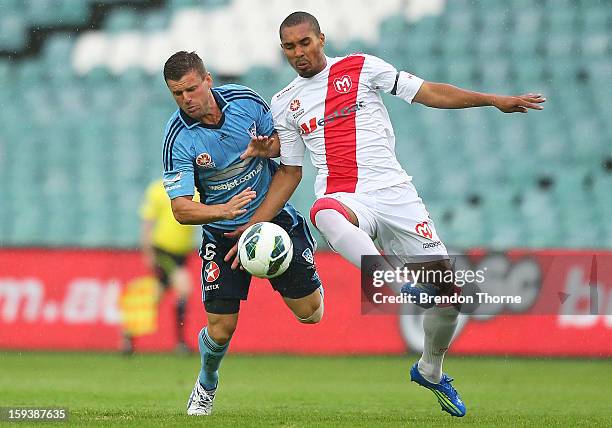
<point x="265" y="250"/>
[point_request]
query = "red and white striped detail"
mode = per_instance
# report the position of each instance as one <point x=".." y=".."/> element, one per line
<point x="341" y="134"/>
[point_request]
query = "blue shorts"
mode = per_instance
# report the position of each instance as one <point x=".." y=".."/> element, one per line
<point x="220" y="281"/>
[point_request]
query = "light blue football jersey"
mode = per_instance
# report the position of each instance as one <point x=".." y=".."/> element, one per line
<point x="209" y="155"/>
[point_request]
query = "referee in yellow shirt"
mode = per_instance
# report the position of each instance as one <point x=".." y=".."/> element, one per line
<point x="165" y="246"/>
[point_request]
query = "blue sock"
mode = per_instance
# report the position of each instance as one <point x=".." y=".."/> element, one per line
<point x="211" y="355"/>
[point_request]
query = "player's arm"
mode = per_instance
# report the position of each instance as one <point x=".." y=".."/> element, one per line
<point x="186" y="211"/>
<point x="382" y="75"/>
<point x="445" y="96"/>
<point x="283" y="184"/>
<point x="178" y="161"/>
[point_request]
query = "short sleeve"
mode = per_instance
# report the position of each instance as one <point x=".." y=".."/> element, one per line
<point x="383" y="76"/>
<point x="291" y="144"/>
<point x="178" y="166"/>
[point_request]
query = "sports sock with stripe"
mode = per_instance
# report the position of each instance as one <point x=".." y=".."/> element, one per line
<point x="211" y="355"/>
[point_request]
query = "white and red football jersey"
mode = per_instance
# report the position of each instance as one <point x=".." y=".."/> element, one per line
<point x="339" y="116"/>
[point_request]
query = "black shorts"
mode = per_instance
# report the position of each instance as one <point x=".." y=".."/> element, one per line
<point x="165" y="265"/>
<point x="220" y="282"/>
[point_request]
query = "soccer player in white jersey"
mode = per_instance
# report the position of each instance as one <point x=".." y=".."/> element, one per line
<point x="334" y="108"/>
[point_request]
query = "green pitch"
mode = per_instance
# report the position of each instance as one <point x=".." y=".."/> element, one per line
<point x="283" y="391"/>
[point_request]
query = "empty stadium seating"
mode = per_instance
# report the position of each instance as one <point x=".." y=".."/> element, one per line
<point x="76" y="151"/>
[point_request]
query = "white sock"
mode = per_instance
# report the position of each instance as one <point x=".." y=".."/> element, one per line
<point x="346" y="238"/>
<point x="439" y="325"/>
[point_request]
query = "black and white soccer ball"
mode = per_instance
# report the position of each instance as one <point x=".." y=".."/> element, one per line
<point x="265" y="250"/>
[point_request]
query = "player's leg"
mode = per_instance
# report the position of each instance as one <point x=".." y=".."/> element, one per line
<point x="181" y="283"/>
<point x="405" y="229"/>
<point x="214" y="339"/>
<point x="439" y="322"/>
<point x="300" y="285"/>
<point x="213" y="342"/>
<point x="222" y="290"/>
<point x="347" y="232"/>
<point x="308" y="309"/>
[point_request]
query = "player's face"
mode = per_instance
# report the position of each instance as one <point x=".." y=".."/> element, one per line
<point x="303" y="49"/>
<point x="192" y="94"/>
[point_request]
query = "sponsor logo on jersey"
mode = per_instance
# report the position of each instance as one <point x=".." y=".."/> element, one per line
<point x="307" y="254"/>
<point x="431" y="244"/>
<point x="237" y="181"/>
<point x="284" y="91"/>
<point x="343" y="84"/>
<point x="313" y="123"/>
<point x="211" y="272"/>
<point x="424" y="230"/>
<point x="205" y="160"/>
<point x="252" y="130"/>
<point x="294" y="105"/>
<point x="174" y="179"/>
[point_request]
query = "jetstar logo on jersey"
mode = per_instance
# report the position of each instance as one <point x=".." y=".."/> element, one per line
<point x="313" y="123"/>
<point x="205" y="160"/>
<point x="211" y="272"/>
<point x="294" y="105"/>
<point x="424" y="230"/>
<point x="343" y="84"/>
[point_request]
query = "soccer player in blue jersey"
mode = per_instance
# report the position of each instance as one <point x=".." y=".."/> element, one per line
<point x="207" y="142"/>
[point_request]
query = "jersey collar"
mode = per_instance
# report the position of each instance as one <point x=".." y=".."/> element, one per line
<point x="190" y="122"/>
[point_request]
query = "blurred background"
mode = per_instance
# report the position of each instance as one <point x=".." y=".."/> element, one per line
<point x="83" y="106"/>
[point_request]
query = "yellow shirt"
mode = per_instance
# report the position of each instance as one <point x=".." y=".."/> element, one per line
<point x="168" y="234"/>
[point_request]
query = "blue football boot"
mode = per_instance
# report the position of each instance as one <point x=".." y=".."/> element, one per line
<point x="447" y="396"/>
<point x="419" y="289"/>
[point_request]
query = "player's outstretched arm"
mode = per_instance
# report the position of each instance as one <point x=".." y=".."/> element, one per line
<point x="186" y="211"/>
<point x="263" y="146"/>
<point x="284" y="183"/>
<point x="442" y="95"/>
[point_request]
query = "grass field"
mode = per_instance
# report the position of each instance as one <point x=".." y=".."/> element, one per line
<point x="151" y="390"/>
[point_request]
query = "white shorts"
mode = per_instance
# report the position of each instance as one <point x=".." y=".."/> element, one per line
<point x="397" y="218"/>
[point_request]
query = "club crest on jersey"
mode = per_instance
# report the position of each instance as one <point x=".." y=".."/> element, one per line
<point x="343" y="84"/>
<point x="424" y="230"/>
<point x="252" y="130"/>
<point x="211" y="272"/>
<point x="307" y="254"/>
<point x="295" y="104"/>
<point x="205" y="160"/>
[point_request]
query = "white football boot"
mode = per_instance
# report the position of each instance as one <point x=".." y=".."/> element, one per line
<point x="200" y="401"/>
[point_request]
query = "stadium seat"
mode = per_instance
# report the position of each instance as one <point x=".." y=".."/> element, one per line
<point x="561" y="48"/>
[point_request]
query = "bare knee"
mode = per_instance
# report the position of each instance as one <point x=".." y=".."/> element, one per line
<point x="314" y="316"/>
<point x="221" y="328"/>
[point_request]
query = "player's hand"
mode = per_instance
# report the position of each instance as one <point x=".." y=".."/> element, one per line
<point x="233" y="252"/>
<point x="259" y="147"/>
<point x="520" y="104"/>
<point x="235" y="206"/>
